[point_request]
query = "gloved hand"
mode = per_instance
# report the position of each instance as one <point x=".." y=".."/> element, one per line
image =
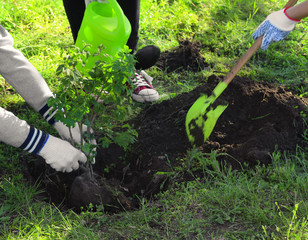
<point x="48" y="113"/>
<point x="61" y="155"/>
<point x="65" y="134"/>
<point x="275" y="27"/>
<point x="89" y="1"/>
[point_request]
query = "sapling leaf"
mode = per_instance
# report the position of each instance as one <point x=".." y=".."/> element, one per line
<point x="86" y="148"/>
<point x="124" y="139"/>
<point x="105" y="142"/>
<point x="87" y="122"/>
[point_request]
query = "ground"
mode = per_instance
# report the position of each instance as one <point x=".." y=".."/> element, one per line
<point x="259" y="119"/>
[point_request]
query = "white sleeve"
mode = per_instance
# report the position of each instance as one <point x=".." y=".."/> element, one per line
<point x="13" y="131"/>
<point x="21" y="74"/>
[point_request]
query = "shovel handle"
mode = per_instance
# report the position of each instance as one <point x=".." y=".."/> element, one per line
<point x="248" y="54"/>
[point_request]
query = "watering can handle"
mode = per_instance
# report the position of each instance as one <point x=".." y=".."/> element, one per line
<point x="119" y="13"/>
<point x="254" y="47"/>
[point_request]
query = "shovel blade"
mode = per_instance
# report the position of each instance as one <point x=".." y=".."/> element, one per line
<point x="202" y="116"/>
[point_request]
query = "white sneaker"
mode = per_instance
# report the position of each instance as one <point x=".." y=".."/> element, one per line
<point x="144" y="91"/>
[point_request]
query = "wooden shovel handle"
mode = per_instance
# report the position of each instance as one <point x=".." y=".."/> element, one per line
<point x="254" y="47"/>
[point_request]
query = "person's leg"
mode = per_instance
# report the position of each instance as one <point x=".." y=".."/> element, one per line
<point x="131" y="9"/>
<point x="74" y="11"/>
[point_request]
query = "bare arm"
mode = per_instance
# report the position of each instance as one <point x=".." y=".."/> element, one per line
<point x="299" y="11"/>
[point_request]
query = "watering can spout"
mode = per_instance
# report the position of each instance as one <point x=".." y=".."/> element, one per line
<point x="104" y="23"/>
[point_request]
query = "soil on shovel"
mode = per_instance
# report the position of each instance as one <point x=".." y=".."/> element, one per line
<point x="260" y="119"/>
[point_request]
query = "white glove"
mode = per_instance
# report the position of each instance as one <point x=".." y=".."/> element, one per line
<point x="275" y="27"/>
<point x="65" y="134"/>
<point x="61" y="155"/>
<point x="89" y="1"/>
<point x="48" y="113"/>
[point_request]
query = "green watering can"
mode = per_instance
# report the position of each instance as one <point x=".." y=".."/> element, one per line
<point x="103" y="23"/>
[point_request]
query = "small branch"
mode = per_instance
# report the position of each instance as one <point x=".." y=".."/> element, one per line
<point x="69" y="130"/>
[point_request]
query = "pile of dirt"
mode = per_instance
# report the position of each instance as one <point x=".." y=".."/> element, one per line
<point x="185" y="57"/>
<point x="260" y="119"/>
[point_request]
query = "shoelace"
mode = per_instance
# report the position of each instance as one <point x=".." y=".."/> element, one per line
<point x="140" y="81"/>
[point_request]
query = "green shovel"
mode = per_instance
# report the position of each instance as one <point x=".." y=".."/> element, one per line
<point x="202" y="116"/>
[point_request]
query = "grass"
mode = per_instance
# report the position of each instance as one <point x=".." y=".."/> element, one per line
<point x="267" y="202"/>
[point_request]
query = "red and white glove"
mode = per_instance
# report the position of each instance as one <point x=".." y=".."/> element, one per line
<point x="274" y="28"/>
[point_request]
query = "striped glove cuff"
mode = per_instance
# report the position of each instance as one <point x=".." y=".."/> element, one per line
<point x="35" y="141"/>
<point x="48" y="113"/>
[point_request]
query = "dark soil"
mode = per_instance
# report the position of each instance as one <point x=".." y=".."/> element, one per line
<point x="186" y="57"/>
<point x="260" y="119"/>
